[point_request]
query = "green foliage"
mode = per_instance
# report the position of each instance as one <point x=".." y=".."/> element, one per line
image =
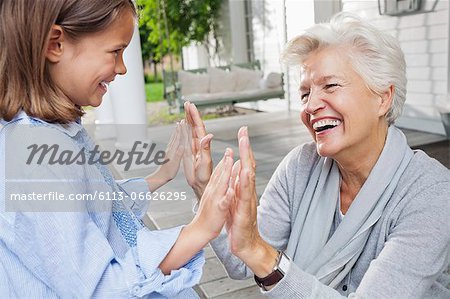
<point x="154" y="92"/>
<point x="150" y="78"/>
<point x="187" y="21"/>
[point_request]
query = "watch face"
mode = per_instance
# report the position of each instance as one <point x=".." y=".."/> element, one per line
<point x="283" y="266"/>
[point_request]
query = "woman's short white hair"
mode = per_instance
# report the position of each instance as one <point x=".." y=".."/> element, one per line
<point x="375" y="55"/>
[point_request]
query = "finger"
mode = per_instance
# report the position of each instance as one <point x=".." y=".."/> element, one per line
<point x="186" y="109"/>
<point x="188" y="168"/>
<point x="194" y="141"/>
<point x="173" y="136"/>
<point x="221" y="171"/>
<point x="237" y="188"/>
<point x="247" y="174"/>
<point x="218" y="169"/>
<point x="225" y="174"/>
<point x="193" y="138"/>
<point x="188" y="159"/>
<point x="185" y="132"/>
<point x="244" y="132"/>
<point x="205" y="148"/>
<point x="205" y="142"/>
<point x="187" y="113"/>
<point x="197" y="122"/>
<point x="173" y="146"/>
<point x="226" y="202"/>
<point x="176" y="136"/>
<point x="245" y="151"/>
<point x="177" y="144"/>
<point x="190" y="141"/>
<point x="234" y="173"/>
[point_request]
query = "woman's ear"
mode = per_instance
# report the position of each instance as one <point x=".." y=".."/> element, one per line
<point x="386" y="100"/>
<point x="55" y="47"/>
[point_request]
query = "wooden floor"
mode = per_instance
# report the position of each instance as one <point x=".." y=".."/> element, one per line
<point x="273" y="135"/>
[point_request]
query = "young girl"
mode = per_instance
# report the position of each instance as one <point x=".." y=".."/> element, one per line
<point x="57" y="56"/>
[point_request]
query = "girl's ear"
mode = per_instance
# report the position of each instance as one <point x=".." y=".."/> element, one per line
<point x="55" y="47"/>
<point x="386" y="100"/>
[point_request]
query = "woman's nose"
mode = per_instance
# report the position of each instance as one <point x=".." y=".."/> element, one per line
<point x="315" y="103"/>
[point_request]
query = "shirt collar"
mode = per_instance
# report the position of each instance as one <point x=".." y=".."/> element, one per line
<point x="71" y="129"/>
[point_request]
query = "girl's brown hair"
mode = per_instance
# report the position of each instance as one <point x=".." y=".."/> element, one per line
<point x="25" y="83"/>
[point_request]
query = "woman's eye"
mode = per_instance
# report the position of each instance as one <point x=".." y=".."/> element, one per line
<point x="330" y="86"/>
<point x="304" y="97"/>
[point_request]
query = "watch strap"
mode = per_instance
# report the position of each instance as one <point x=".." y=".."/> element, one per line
<point x="276" y="275"/>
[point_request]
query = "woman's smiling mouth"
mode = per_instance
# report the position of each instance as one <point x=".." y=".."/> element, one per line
<point x="324" y="124"/>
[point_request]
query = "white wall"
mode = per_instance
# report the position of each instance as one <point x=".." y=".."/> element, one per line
<point x="270" y="36"/>
<point x="299" y="16"/>
<point x="424" y="39"/>
<point x="195" y="57"/>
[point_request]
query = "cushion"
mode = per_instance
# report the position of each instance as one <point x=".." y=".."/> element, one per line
<point x="246" y="79"/>
<point x="220" y="80"/>
<point x="193" y="83"/>
<point x="273" y="80"/>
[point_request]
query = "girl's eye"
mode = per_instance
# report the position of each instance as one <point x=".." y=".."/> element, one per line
<point x="116" y="53"/>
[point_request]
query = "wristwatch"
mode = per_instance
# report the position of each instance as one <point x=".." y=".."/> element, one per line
<point x="279" y="270"/>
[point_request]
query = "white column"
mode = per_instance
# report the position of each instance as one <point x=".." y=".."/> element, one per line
<point x="104" y="119"/>
<point x="325" y="9"/>
<point x="195" y="57"/>
<point x="128" y="98"/>
<point x="202" y="56"/>
<point x="238" y="31"/>
<point x="448" y="75"/>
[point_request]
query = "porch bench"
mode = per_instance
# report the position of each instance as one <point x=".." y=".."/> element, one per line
<point x="225" y="85"/>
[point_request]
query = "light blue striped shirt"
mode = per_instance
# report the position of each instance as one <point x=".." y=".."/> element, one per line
<point x="73" y="249"/>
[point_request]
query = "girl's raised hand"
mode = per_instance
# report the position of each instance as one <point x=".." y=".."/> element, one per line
<point x="197" y="162"/>
<point x="209" y="220"/>
<point x="174" y="153"/>
<point x="216" y="200"/>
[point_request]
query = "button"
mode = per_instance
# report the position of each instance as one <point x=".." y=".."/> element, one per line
<point x="136" y="290"/>
<point x="344" y="287"/>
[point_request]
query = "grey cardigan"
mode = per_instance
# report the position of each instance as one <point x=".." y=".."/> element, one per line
<point x="408" y="251"/>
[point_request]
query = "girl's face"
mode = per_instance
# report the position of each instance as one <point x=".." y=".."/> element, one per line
<point x="87" y="65"/>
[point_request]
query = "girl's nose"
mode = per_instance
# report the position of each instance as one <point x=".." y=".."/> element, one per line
<point x="121" y="69"/>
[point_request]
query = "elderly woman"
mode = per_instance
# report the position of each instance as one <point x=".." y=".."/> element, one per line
<point x="356" y="212"/>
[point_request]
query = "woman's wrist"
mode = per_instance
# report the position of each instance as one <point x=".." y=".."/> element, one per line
<point x="261" y="258"/>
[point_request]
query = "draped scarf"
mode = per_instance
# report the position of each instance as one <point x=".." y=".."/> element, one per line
<point x="331" y="259"/>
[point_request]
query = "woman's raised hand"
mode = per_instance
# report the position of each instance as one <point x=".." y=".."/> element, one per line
<point x="242" y="227"/>
<point x="197" y="162"/>
<point x="245" y="240"/>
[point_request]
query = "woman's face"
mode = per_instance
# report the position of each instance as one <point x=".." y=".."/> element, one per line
<point x="90" y="63"/>
<point x="345" y="118"/>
